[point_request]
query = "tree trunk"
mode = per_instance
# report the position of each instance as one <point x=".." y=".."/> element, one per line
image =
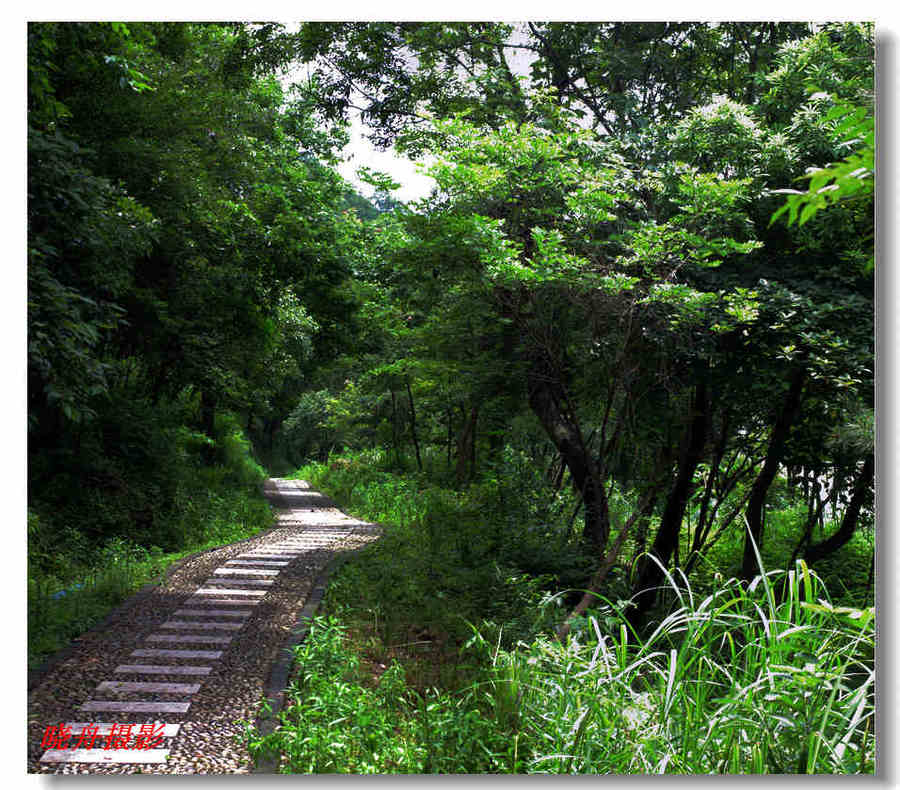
<point x="394" y="427"/>
<point x="641" y="513"/>
<point x="545" y="396"/>
<point x="465" y="450"/>
<point x="757" y="500"/>
<point x="814" y="516"/>
<point x="472" y="442"/>
<point x="270" y="428"/>
<point x="559" y="474"/>
<point x="650" y="572"/>
<point x="851" y="517"/>
<point x="449" y="438"/>
<point x="412" y="425"/>
<point x="704" y="519"/>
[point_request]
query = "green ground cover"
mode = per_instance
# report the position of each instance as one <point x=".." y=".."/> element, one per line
<point x="436" y="653"/>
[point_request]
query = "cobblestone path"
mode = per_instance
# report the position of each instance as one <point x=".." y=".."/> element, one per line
<point x="185" y="663"/>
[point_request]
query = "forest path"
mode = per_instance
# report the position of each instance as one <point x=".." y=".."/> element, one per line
<point x="185" y="662"/>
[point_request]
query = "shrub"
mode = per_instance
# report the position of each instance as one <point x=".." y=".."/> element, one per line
<point x="335" y="723"/>
<point x="91" y="544"/>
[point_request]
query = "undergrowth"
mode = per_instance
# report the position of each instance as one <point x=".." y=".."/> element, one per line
<point x="731" y="683"/>
<point x="438" y="653"/>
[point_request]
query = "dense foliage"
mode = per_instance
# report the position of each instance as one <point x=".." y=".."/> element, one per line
<point x="179" y="205"/>
<point x="633" y="291"/>
<point x="715" y="689"/>
<point x="625" y="344"/>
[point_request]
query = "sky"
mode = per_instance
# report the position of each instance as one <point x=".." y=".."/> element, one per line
<point x="360" y="152"/>
<point x="411" y="175"/>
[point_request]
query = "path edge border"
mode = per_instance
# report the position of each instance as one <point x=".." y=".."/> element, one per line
<point x="281" y="669"/>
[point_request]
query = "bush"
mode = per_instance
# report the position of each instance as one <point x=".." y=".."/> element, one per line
<point x="769" y="677"/>
<point x="304" y="433"/>
<point x="447" y="557"/>
<point x="730" y="683"/>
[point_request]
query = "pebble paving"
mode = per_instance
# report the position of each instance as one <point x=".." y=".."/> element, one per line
<point x="209" y="636"/>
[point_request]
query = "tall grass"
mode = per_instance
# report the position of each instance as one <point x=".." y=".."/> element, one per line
<point x="85" y="588"/>
<point x="62" y="608"/>
<point x="769" y="677"/>
<point x="765" y="678"/>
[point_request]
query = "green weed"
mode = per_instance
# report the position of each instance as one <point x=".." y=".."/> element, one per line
<point x="729" y="683"/>
<point x="733" y="682"/>
<point x="338" y="722"/>
<point x="769" y="677"/>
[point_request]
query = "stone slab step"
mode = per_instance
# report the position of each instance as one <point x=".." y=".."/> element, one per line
<point x="309" y="548"/>
<point x="270" y="549"/>
<point x="278" y="544"/>
<point x="302" y="544"/>
<point x="105" y="728"/>
<point x="309" y="545"/>
<point x="274" y="564"/>
<point x="281" y="544"/>
<point x="242" y="614"/>
<point x="323" y="541"/>
<point x="160" y="669"/>
<point x="341" y="528"/>
<point x="240" y="584"/>
<point x="105" y="756"/>
<point x="158" y="652"/>
<point x="269" y="555"/>
<point x="187" y="626"/>
<point x="260" y="558"/>
<point x="156" y="706"/>
<point x="246" y="572"/>
<point x="228" y="591"/>
<point x="204" y="601"/>
<point x="166" y="688"/>
<point x="220" y="602"/>
<point x="188" y="638"/>
<point x="343" y="525"/>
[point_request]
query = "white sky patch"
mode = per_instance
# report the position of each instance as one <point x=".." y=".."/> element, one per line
<point x="359" y="152"/>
